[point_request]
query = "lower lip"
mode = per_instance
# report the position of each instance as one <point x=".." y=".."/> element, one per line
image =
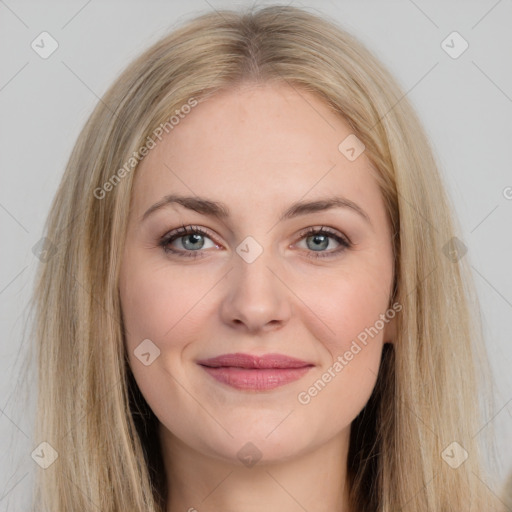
<point x="256" y="379"/>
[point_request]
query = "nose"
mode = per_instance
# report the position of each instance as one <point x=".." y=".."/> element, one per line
<point x="256" y="297"/>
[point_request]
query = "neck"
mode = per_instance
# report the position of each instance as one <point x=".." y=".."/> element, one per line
<point x="313" y="480"/>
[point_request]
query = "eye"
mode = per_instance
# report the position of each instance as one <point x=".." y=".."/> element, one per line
<point x="192" y="241"/>
<point x="191" y="238"/>
<point x="318" y="239"/>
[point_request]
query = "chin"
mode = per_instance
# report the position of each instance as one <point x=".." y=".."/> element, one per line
<point x="247" y="450"/>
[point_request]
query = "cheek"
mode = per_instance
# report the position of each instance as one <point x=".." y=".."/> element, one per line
<point x="349" y="319"/>
<point x="166" y="306"/>
<point x="163" y="306"/>
<point x="347" y="304"/>
<point x="332" y="399"/>
<point x="157" y="303"/>
<point x="350" y="357"/>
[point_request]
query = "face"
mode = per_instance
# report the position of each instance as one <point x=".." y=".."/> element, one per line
<point x="257" y="277"/>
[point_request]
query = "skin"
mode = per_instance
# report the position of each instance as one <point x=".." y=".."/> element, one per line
<point x="257" y="148"/>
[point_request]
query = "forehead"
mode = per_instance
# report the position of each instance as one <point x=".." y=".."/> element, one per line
<point x="256" y="144"/>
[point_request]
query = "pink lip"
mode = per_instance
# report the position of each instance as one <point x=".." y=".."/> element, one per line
<point x="265" y="361"/>
<point x="244" y="371"/>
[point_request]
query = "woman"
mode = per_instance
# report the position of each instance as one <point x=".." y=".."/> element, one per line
<point x="256" y="297"/>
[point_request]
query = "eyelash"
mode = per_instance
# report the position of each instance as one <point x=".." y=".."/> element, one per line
<point x="168" y="238"/>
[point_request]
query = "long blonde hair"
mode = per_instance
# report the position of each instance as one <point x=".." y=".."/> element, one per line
<point x="89" y="407"/>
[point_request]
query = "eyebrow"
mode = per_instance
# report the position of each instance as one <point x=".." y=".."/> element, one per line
<point x="221" y="211"/>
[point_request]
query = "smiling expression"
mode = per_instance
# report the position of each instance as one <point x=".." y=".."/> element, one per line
<point x="251" y="233"/>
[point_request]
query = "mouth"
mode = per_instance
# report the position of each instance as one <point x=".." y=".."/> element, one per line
<point x="256" y="373"/>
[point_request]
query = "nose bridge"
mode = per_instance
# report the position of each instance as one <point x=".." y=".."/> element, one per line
<point x="255" y="296"/>
<point x="252" y="263"/>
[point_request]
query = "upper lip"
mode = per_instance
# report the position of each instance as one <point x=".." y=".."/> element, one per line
<point x="240" y="360"/>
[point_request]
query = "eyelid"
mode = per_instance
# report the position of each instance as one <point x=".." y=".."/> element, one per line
<point x="324" y="229"/>
<point x="184" y="230"/>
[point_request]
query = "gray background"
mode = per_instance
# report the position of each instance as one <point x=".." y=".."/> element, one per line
<point x="464" y="103"/>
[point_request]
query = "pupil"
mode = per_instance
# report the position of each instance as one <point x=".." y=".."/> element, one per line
<point x="190" y="238"/>
<point x="324" y="241"/>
